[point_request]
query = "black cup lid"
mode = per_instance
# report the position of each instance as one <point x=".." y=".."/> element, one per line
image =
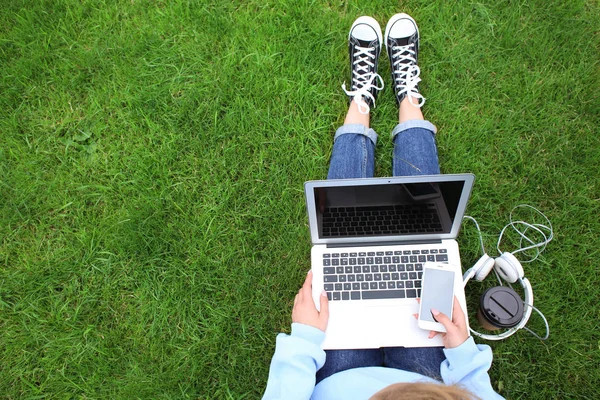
<point x="501" y="306"/>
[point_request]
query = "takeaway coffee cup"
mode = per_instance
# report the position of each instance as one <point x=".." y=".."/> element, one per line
<point x="500" y="307"/>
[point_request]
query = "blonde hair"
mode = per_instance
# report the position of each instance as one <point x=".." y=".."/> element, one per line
<point x="423" y="391"/>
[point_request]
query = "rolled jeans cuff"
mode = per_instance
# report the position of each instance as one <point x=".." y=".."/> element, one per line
<point x="413" y="123"/>
<point x="357" y="129"/>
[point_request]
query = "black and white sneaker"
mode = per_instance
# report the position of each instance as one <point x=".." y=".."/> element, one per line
<point x="402" y="45"/>
<point x="364" y="43"/>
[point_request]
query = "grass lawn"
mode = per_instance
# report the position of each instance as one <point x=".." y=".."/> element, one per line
<point x="153" y="231"/>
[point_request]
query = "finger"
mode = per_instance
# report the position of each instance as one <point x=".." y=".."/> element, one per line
<point x="418" y="299"/>
<point x="443" y="319"/>
<point x="416" y="316"/>
<point x="458" y="316"/>
<point x="324" y="314"/>
<point x="432" y="334"/>
<point x="306" y="287"/>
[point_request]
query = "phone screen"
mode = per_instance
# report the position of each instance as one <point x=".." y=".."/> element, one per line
<point x="437" y="292"/>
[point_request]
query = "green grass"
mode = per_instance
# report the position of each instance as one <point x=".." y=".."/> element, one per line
<point x="152" y="156"/>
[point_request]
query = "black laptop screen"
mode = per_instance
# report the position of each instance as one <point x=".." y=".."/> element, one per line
<point x="387" y="210"/>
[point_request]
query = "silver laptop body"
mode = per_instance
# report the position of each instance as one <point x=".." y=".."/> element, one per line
<point x="370" y="240"/>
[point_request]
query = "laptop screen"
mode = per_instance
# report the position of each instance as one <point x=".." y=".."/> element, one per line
<point x="392" y="210"/>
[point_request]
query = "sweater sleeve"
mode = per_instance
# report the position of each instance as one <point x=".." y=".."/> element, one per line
<point x="295" y="363"/>
<point x="467" y="366"/>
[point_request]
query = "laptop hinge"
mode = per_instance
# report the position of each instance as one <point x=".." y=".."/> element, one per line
<point x="379" y="244"/>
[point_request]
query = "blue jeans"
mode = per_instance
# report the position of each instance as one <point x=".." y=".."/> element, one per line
<point x="415" y="153"/>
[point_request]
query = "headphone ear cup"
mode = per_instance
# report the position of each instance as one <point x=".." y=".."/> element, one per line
<point x="483" y="267"/>
<point x="509" y="268"/>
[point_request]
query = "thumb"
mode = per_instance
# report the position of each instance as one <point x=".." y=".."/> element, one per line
<point x="324" y="314"/>
<point x="443" y="319"/>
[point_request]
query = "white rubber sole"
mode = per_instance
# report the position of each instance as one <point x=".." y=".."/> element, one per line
<point x="392" y="21"/>
<point x="371" y="22"/>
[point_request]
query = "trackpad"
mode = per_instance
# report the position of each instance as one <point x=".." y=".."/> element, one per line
<point x="374" y="326"/>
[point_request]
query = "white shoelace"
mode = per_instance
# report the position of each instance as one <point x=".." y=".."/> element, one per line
<point x="409" y="73"/>
<point x="363" y="80"/>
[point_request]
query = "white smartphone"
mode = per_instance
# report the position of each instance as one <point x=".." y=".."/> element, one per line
<point x="437" y="292"/>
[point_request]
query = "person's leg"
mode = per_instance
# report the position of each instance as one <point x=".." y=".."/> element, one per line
<point x="341" y="360"/>
<point x="422" y="360"/>
<point x="415" y="152"/>
<point x="353" y="153"/>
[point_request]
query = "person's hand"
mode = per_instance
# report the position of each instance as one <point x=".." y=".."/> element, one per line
<point x="305" y="312"/>
<point x="456" y="329"/>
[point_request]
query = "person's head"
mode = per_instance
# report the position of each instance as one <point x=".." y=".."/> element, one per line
<point x="423" y="391"/>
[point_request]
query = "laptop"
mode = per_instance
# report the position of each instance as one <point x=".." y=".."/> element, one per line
<point x="371" y="238"/>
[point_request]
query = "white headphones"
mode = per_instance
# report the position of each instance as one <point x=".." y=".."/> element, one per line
<point x="508" y="268"/>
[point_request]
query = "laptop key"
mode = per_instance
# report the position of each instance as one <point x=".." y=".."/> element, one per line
<point x="441" y="257"/>
<point x="338" y="286"/>
<point x="328" y="287"/>
<point x="364" y="286"/>
<point x="336" y="296"/>
<point x="382" y="285"/>
<point x="384" y="294"/>
<point x="355" y="295"/>
<point x="360" y="277"/>
<point x="345" y="296"/>
<point x="326" y="262"/>
<point x="330" y="278"/>
<point x="356" y="286"/>
<point x="411" y="293"/>
<point x="347" y="286"/>
<point x="373" y="285"/>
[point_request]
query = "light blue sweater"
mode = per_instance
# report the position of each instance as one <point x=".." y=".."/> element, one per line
<point x="298" y="357"/>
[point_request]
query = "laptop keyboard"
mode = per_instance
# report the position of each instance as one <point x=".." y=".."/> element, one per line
<point x="377" y="275"/>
